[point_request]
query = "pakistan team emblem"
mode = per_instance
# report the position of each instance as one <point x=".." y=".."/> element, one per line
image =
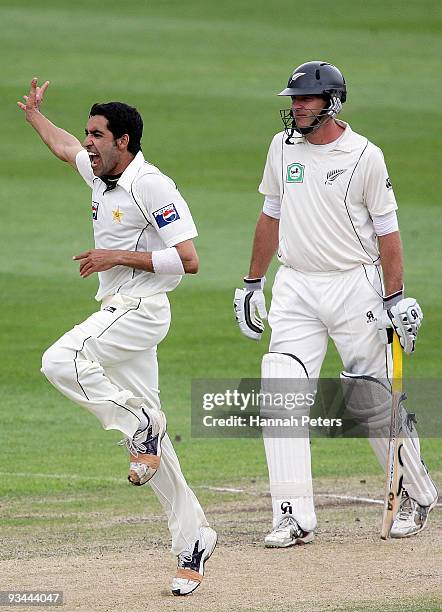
<point x="295" y="173"/>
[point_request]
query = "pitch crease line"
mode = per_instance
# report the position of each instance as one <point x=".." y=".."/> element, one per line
<point x="64" y="477"/>
<point x="114" y="479"/>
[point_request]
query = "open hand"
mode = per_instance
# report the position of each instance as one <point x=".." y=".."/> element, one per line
<point x="34" y="100"/>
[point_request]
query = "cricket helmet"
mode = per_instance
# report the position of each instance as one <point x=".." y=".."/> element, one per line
<point x="318" y="79"/>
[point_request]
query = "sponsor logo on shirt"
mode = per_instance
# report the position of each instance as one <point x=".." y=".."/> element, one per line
<point x="94" y="210"/>
<point x="332" y="175"/>
<point x="388" y="183"/>
<point x="167" y="214"/>
<point x="295" y="173"/>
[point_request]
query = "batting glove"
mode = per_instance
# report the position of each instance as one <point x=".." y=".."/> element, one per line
<point x="403" y="316"/>
<point x="248" y="303"/>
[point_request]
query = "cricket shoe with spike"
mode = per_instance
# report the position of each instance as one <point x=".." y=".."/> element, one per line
<point x="190" y="570"/>
<point x="145" y="446"/>
<point x="411" y="518"/>
<point x="288" y="533"/>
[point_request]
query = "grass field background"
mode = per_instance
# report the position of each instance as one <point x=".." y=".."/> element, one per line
<point x="204" y="76"/>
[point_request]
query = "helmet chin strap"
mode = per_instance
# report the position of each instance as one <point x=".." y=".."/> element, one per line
<point x="322" y="117"/>
<point x="317" y="122"/>
<point x="291" y="126"/>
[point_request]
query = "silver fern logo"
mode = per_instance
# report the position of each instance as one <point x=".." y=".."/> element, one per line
<point x="295" y="76"/>
<point x="332" y="175"/>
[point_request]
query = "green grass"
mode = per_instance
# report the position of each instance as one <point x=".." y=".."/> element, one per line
<point x="204" y="77"/>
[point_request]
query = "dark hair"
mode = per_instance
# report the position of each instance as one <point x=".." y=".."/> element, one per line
<point x="121" y="119"/>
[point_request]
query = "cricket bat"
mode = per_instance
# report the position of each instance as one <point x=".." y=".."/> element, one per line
<point x="393" y="489"/>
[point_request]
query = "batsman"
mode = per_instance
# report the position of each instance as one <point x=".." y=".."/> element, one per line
<point x="330" y="214"/>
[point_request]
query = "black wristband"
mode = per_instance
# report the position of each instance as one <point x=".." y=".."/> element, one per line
<point x="393" y="299"/>
<point x="254" y="284"/>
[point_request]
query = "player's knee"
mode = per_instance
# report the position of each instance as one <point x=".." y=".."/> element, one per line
<point x="283" y="365"/>
<point x="367" y="400"/>
<point x="49" y="364"/>
<point x="55" y="364"/>
<point x="285" y="386"/>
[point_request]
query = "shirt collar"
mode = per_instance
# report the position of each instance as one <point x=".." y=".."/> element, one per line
<point x="131" y="171"/>
<point x="343" y="143"/>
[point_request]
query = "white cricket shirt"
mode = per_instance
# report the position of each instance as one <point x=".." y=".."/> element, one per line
<point x="328" y="195"/>
<point x="144" y="212"/>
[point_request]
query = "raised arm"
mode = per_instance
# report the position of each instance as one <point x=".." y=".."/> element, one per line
<point x="62" y="144"/>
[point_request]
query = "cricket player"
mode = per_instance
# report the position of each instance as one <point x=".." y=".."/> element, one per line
<point x="330" y="213"/>
<point x="143" y="234"/>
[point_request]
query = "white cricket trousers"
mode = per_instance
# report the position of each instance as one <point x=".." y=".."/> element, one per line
<point x="306" y="310"/>
<point x="108" y="364"/>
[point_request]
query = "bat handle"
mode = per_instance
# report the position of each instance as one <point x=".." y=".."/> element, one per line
<point x="397" y="364"/>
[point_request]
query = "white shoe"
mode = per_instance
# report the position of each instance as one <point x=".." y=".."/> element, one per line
<point x="411" y="517"/>
<point x="190" y="570"/>
<point x="288" y="533"/>
<point x="145" y="446"/>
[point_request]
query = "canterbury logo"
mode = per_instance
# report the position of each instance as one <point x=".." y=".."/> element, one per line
<point x="332" y="175"/>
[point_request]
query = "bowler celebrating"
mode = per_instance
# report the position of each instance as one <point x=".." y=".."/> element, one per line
<point x="143" y="246"/>
<point x="330" y="213"/>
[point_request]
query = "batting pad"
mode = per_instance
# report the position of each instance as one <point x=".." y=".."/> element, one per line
<point x="287" y="452"/>
<point x="369" y="401"/>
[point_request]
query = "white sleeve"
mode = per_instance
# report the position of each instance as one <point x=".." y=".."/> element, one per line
<point x="272" y="207"/>
<point x="385" y="224"/>
<point x="84" y="167"/>
<point x="169" y="212"/>
<point x="271" y="184"/>
<point x="378" y="191"/>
